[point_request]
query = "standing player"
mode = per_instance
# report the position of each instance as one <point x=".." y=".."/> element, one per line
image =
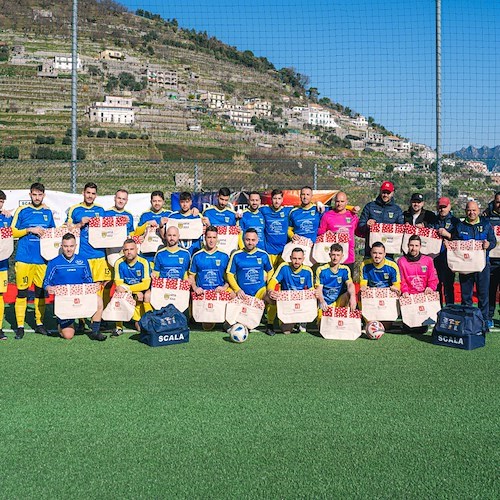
<point x="252" y="217"/>
<point x="5" y="221"/>
<point x="132" y="275"/>
<point x="291" y="276"/>
<point x="172" y="261"/>
<point x="70" y="268"/>
<point x="304" y="220"/>
<point x="28" y="225"/>
<point x="221" y="214"/>
<point x="334" y="285"/>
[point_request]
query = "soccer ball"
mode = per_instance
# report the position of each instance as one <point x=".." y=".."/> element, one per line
<point x="375" y="330"/>
<point x="238" y="333"/>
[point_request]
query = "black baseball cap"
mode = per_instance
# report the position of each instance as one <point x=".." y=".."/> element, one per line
<point x="417" y="197"/>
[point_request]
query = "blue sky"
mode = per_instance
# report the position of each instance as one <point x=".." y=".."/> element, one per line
<point x="377" y="57"/>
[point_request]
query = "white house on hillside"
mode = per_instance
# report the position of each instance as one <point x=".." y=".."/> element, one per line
<point x="114" y="109"/>
<point x="65" y="63"/>
<point x="317" y="116"/>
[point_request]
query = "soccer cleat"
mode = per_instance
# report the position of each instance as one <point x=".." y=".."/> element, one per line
<point x="41" y="330"/>
<point x="19" y="333"/>
<point x="302" y="329"/>
<point x="270" y="331"/>
<point x="97" y="336"/>
<point x="490" y="324"/>
<point x="117" y="332"/>
<point x="82" y="327"/>
<point x="2" y="335"/>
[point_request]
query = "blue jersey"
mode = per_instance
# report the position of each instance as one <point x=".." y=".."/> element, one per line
<point x="75" y="215"/>
<point x="153" y="216"/>
<point x="254" y="220"/>
<point x="218" y="217"/>
<point x="276" y="228"/>
<point x="304" y="221"/>
<point x="384" y="275"/>
<point x="172" y="264"/>
<point x="5" y="221"/>
<point x="249" y="269"/>
<point x="209" y="268"/>
<point x="112" y="212"/>
<point x="288" y="279"/>
<point x="28" y="247"/>
<point x="334" y="284"/>
<point x="192" y="246"/>
<point x="135" y="275"/>
<point x="61" y="271"/>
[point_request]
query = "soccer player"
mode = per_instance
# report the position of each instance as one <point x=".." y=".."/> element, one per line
<point x="172" y="261"/>
<point x="5" y="221"/>
<point x="155" y="217"/>
<point x="418" y="274"/>
<point x="475" y="227"/>
<point x="417" y="215"/>
<point x="334" y="285"/>
<point x="304" y="220"/>
<point x="220" y="214"/>
<point x="118" y="209"/>
<point x="291" y="276"/>
<point x="252" y="217"/>
<point x="132" y="275"/>
<point x="187" y="212"/>
<point x="28" y="225"/>
<point x="341" y="220"/>
<point x="70" y="268"/>
<point x="382" y="210"/>
<point x="379" y="272"/>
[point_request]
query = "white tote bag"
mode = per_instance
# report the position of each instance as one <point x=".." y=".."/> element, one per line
<point x="228" y="238"/>
<point x="321" y="249"/>
<point x="391" y="235"/>
<point x="495" y="252"/>
<point x="108" y="232"/>
<point x="121" y="307"/>
<point x="247" y="311"/>
<point x="189" y="229"/>
<point x="210" y="306"/>
<point x="170" y="291"/>
<point x="340" y="323"/>
<point x="51" y="240"/>
<point x="420" y="309"/>
<point x="76" y="301"/>
<point x="113" y="254"/>
<point x="380" y="304"/>
<point x="431" y="241"/>
<point x="466" y="256"/>
<point x="6" y="243"/>
<point x="297" y="306"/>
<point x="305" y="243"/>
<point x="151" y="241"/>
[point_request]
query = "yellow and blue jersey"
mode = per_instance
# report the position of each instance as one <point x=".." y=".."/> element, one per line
<point x="220" y="217"/>
<point x="5" y="221"/>
<point x="112" y="212"/>
<point x="276" y="228"/>
<point x="209" y="268"/>
<point x="192" y="246"/>
<point x="75" y="215"/>
<point x="28" y="247"/>
<point x="135" y="276"/>
<point x="384" y="275"/>
<point x="290" y="279"/>
<point x="248" y="270"/>
<point x="334" y="283"/>
<point x="256" y="221"/>
<point x="149" y="216"/>
<point x="63" y="271"/>
<point x="172" y="263"/>
<point x="304" y="221"/>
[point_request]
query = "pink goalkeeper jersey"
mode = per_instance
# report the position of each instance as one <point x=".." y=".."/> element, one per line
<point x="417" y="276"/>
<point x="340" y="223"/>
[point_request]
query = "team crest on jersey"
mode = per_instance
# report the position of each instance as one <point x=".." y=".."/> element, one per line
<point x="226" y="219"/>
<point x="217" y="262"/>
<point x="181" y="260"/>
<point x="259" y="260"/>
<point x="391" y="215"/>
<point x="79" y="262"/>
<point x="282" y="215"/>
<point x="339" y="279"/>
<point x="302" y="280"/>
<point x="348" y="220"/>
<point x="45" y="217"/>
<point x="424" y="269"/>
<point x="386" y="276"/>
<point x="138" y="272"/>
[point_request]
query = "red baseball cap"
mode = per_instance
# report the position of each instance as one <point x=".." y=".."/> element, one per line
<point x="444" y="201"/>
<point x="387" y="186"/>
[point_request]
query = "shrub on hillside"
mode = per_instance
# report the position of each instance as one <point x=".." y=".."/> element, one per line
<point x="132" y="136"/>
<point x="66" y="141"/>
<point x="123" y="135"/>
<point x="101" y="134"/>
<point x="90" y="133"/>
<point x="111" y="134"/>
<point x="11" y="152"/>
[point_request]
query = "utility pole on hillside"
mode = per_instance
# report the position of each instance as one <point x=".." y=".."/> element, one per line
<point x="74" y="90"/>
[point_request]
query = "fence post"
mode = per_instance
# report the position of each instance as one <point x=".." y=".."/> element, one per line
<point x="196" y="173"/>
<point x="315" y="177"/>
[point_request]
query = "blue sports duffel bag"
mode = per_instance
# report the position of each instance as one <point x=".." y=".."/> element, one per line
<point x="166" y="326"/>
<point x="458" y="326"/>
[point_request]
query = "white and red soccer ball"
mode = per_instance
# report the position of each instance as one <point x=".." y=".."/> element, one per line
<point x="374" y="330"/>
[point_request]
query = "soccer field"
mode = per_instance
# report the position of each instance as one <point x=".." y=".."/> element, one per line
<point x="276" y="417"/>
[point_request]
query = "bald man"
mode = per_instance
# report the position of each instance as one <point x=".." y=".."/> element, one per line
<point x="475" y="227"/>
<point x="171" y="261"/>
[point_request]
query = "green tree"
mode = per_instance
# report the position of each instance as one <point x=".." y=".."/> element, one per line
<point x="11" y="152"/>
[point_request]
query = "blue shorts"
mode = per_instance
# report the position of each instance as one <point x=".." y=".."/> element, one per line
<point x="65" y="323"/>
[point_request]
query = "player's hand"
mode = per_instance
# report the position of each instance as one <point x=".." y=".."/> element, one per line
<point x="355" y="210"/>
<point x="353" y="304"/>
<point x="443" y="233"/>
<point x="420" y="224"/>
<point x="320" y="207"/>
<point x="395" y="290"/>
<point x="239" y="214"/>
<point x="163" y="221"/>
<point x="121" y="289"/>
<point x="323" y="305"/>
<point x="429" y="290"/>
<point x="140" y="296"/>
<point x="36" y="230"/>
<point x="370" y="222"/>
<point x="241" y="294"/>
<point x="295" y="237"/>
<point x="195" y="211"/>
<point x="153" y="224"/>
<point x="363" y="288"/>
<point x="446" y="244"/>
<point x="85" y="220"/>
<point x="206" y="221"/>
<point x="198" y="290"/>
<point x="220" y="289"/>
<point x="273" y="294"/>
<point x="50" y="290"/>
<point x="406" y="294"/>
<point x="486" y="244"/>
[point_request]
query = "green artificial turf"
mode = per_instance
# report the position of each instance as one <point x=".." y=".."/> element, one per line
<point x="276" y="417"/>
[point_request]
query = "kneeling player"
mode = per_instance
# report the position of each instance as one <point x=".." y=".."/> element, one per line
<point x="132" y="275"/>
<point x="334" y="285"/>
<point x="71" y="269"/>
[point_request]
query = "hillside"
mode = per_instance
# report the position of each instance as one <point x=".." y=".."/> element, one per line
<point x="491" y="156"/>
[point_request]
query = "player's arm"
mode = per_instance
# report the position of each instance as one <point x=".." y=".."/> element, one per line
<point x="231" y="275"/>
<point x="363" y="279"/>
<point x="396" y="278"/>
